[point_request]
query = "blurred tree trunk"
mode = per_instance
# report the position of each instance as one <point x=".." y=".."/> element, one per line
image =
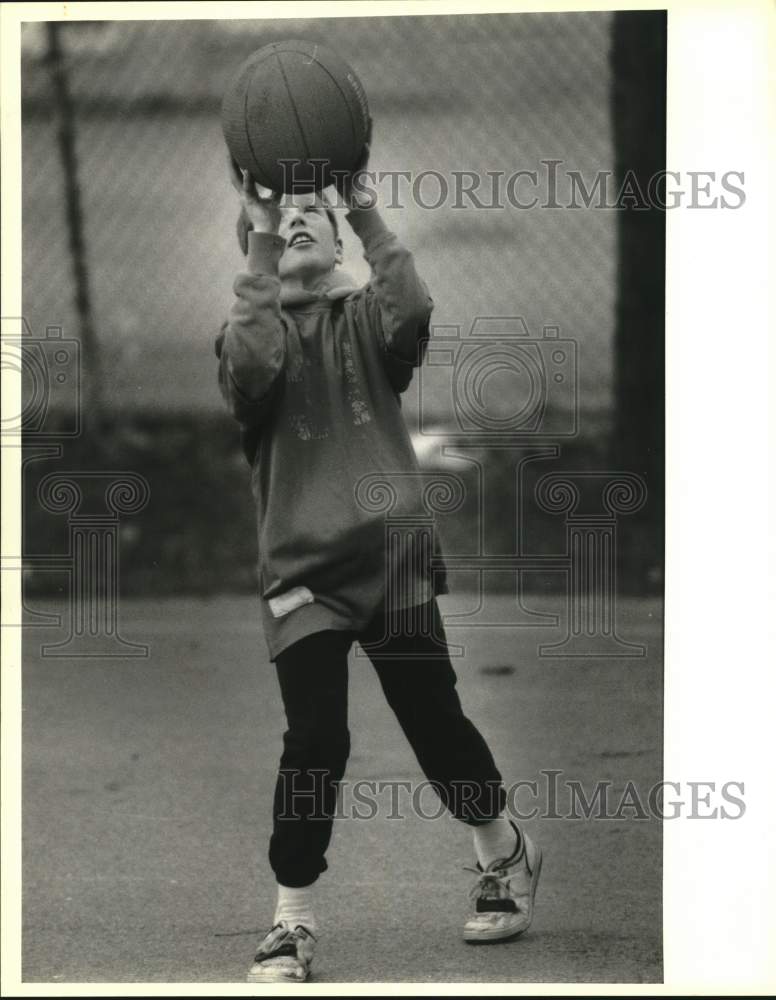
<point x="639" y="125"/>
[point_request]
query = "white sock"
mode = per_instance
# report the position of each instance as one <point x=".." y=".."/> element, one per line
<point x="495" y="841"/>
<point x="295" y="906"/>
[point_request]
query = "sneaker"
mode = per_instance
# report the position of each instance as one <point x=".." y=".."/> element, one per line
<point x="504" y="894"/>
<point x="285" y="955"/>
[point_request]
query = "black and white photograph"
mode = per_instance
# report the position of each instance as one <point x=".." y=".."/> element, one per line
<point x="362" y="609"/>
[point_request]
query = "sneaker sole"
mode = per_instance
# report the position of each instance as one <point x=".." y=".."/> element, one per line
<point x="276" y="977"/>
<point x="492" y="937"/>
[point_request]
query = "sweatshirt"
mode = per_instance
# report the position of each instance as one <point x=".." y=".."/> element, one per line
<point x="315" y="379"/>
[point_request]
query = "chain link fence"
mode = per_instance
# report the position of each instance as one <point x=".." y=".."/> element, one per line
<point x="490" y="94"/>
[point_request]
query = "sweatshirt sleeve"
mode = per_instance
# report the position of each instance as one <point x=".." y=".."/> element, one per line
<point x="251" y="344"/>
<point x="398" y="301"/>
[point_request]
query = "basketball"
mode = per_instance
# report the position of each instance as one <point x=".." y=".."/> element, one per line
<point x="295" y="101"/>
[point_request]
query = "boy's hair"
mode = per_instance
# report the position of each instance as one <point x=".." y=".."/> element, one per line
<point x="244" y="226"/>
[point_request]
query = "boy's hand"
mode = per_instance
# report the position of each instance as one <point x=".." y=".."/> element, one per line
<point x="264" y="213"/>
<point x="344" y="182"/>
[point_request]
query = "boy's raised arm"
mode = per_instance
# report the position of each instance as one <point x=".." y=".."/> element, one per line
<point x="401" y="306"/>
<point x="251" y="345"/>
<point x="397" y="299"/>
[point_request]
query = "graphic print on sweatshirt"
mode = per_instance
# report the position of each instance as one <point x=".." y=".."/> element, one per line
<point x="358" y="408"/>
<point x="300" y="378"/>
<point x="316" y="368"/>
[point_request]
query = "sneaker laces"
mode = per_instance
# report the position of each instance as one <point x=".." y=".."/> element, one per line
<point x="489" y="884"/>
<point x="281" y="944"/>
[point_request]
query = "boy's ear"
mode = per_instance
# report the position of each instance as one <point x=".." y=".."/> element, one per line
<point x="339" y="253"/>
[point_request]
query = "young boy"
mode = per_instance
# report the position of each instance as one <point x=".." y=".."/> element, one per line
<point x="312" y="368"/>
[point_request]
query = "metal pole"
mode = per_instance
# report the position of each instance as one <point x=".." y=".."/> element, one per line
<point x="92" y="394"/>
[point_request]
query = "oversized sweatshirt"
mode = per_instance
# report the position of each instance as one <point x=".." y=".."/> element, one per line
<point x="314" y="379"/>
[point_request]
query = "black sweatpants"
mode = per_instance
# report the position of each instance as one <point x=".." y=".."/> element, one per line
<point x="409" y="652"/>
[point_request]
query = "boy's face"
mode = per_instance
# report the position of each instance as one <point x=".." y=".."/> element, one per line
<point x="312" y="248"/>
